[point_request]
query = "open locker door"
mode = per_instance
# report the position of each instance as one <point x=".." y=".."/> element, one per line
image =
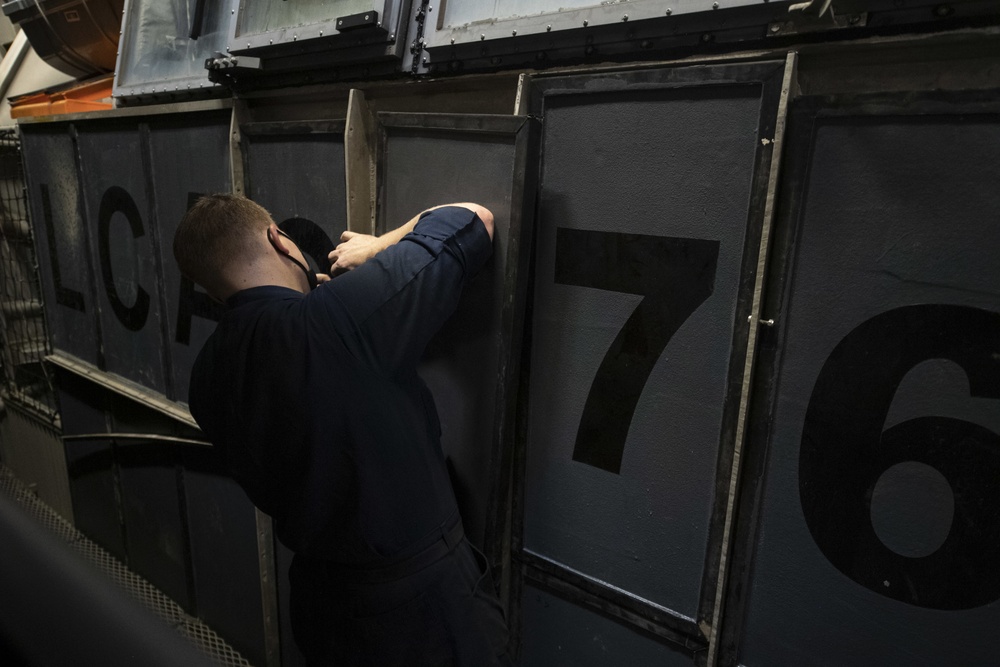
<point x="471" y="366"/>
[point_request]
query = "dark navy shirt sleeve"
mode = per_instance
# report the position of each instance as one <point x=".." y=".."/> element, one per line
<point x="399" y="299"/>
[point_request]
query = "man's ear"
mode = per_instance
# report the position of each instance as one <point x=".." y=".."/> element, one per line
<point x="277" y="240"/>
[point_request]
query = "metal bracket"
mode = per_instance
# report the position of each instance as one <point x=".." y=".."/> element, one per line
<point x="367" y="19"/>
<point x="244" y="63"/>
<point x="225" y="69"/>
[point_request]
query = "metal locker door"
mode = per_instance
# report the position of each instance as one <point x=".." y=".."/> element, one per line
<point x="116" y="194"/>
<point x="471" y="365"/>
<point x="189" y="157"/>
<point x="651" y="201"/>
<point x="50" y="163"/>
<point x="874" y="534"/>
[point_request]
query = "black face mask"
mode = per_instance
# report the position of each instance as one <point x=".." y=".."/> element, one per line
<point x="310" y="274"/>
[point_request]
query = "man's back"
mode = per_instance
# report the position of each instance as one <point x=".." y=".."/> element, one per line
<point x="315" y="403"/>
<point x="344" y="457"/>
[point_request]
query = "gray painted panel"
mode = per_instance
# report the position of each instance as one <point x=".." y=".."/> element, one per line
<point x="62" y="238"/>
<point x="558" y="633"/>
<point x="189" y="157"/>
<point x="223" y="533"/>
<point x="92" y="488"/>
<point x="151" y="507"/>
<point x="897" y="213"/>
<point x="90" y="465"/>
<point x="424" y="168"/>
<point x="301" y="177"/>
<point x="668" y="163"/>
<point x="113" y="181"/>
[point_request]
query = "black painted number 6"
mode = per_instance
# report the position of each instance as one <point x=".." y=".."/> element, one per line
<point x="674" y="276"/>
<point x="844" y="452"/>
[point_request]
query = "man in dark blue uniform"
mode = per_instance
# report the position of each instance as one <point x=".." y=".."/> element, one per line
<point x="313" y="398"/>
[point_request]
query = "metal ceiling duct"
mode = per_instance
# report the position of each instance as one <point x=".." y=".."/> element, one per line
<point x="78" y="37"/>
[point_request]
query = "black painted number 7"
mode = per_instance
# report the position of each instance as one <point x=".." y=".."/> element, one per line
<point x="674" y="277"/>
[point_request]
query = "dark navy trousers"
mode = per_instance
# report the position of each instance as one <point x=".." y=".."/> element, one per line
<point x="446" y="614"/>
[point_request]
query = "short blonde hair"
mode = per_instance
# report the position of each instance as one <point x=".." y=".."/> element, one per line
<point x="218" y="230"/>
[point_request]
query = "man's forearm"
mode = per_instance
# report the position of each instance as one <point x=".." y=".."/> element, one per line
<point x="396" y="235"/>
<point x="356" y="249"/>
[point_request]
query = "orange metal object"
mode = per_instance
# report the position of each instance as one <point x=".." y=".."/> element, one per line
<point x="92" y="95"/>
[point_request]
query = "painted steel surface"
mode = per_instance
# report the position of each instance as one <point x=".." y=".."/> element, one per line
<point x="169" y="512"/>
<point x="90" y="466"/>
<point x="113" y="295"/>
<point x="223" y="551"/>
<point x="879" y="532"/>
<point x="643" y="216"/>
<point x="116" y="207"/>
<point x="189" y="157"/>
<point x="149" y="482"/>
<point x="560" y="633"/>
<point x="62" y="239"/>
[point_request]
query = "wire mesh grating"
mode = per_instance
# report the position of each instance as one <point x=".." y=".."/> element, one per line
<point x="24" y="340"/>
<point x="206" y="639"/>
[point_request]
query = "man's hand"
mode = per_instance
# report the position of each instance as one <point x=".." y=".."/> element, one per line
<point x="354" y="250"/>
